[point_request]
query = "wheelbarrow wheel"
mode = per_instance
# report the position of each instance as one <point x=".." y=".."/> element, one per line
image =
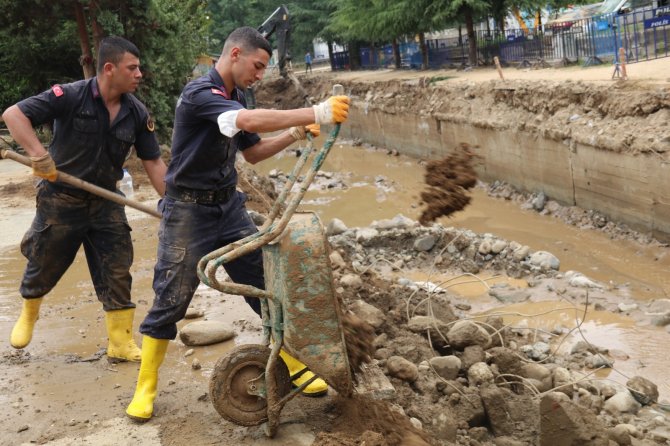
<point x="241" y="370"/>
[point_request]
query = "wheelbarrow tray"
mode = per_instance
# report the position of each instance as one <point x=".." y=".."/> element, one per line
<point x="299" y="277"/>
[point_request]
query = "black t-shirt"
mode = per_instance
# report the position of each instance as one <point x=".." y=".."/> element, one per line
<point x="202" y="157"/>
<point x="84" y="143"/>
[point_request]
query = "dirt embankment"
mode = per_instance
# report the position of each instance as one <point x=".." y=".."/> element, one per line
<point x="620" y="117"/>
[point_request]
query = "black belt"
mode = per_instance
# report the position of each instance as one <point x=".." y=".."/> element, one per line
<point x="218" y="196"/>
<point x="71" y="191"/>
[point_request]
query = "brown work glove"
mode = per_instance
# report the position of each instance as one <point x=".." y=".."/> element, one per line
<point x="301" y="132"/>
<point x="44" y="167"/>
<point x="333" y="110"/>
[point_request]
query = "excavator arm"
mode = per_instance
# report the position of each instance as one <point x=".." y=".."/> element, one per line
<point x="278" y="24"/>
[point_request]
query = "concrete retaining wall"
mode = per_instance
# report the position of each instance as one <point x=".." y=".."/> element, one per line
<point x="633" y="189"/>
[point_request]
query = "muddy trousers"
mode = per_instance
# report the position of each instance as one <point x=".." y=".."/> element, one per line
<point x="189" y="231"/>
<point x="66" y="220"/>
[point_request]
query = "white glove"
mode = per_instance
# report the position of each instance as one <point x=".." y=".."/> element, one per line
<point x="334" y="110"/>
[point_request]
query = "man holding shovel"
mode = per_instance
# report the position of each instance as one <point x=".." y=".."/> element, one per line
<point x="95" y="123"/>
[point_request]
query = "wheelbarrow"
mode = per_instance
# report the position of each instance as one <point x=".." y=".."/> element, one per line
<point x="300" y="312"/>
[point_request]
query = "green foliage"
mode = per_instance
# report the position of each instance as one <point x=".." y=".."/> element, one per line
<point x="39" y="46"/>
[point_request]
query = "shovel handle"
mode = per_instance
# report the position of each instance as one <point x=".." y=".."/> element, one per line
<point x="84" y="185"/>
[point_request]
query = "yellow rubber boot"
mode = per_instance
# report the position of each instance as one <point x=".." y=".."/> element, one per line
<point x="22" y="333"/>
<point x="121" y="345"/>
<point x="299" y="374"/>
<point x="153" y="352"/>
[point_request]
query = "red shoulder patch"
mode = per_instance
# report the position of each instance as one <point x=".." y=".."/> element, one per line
<point x="220" y="92"/>
<point x="58" y="91"/>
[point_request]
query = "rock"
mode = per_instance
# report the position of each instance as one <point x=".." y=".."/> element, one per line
<point x="397" y="222"/>
<point x="498" y="246"/>
<point x="446" y="367"/>
<point x="562" y="381"/>
<point x="335" y="227"/>
<point x="539" y="201"/>
<point x="464" y="333"/>
<point x="659" y="319"/>
<point x="425" y="243"/>
<point x="193" y="313"/>
<point x="545" y="260"/>
<point x="659" y="306"/>
<point x="505" y="359"/>
<point x="579" y="280"/>
<point x="622" y="402"/>
<point x="512" y="415"/>
<point x="624" y="308"/>
<point x="205" y="333"/>
<point x="540" y="373"/>
<point x="364" y="235"/>
<point x="484" y="247"/>
<point x="369" y="313"/>
<point x="258" y="219"/>
<point x="351" y="281"/>
<point x="336" y="260"/>
<point x="521" y="253"/>
<point x="564" y="423"/>
<point x="401" y="368"/>
<point x="479" y="374"/>
<point x="643" y="390"/>
<point x="619" y="434"/>
<point x="537" y="351"/>
<point x="597" y="361"/>
<point x="472" y="354"/>
<point x="444" y="426"/>
<point x="509" y="296"/>
<point x="421" y="324"/>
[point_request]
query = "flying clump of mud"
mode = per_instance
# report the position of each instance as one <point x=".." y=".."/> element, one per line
<point x="448" y="182"/>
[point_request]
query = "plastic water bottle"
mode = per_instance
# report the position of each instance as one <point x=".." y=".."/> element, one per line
<point x="126" y="184"/>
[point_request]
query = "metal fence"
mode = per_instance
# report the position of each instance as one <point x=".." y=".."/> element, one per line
<point x="643" y="34"/>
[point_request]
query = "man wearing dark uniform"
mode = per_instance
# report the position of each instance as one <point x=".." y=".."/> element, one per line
<point x="95" y="124"/>
<point x="202" y="210"/>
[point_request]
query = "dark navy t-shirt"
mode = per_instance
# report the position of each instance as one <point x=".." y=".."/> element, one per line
<point x="202" y="157"/>
<point x="84" y="143"/>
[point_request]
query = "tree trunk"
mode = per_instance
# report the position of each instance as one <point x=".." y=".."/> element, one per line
<point x="354" y="55"/>
<point x="396" y="54"/>
<point x="98" y="32"/>
<point x="86" y="58"/>
<point x="424" y="51"/>
<point x="330" y="56"/>
<point x="472" y="38"/>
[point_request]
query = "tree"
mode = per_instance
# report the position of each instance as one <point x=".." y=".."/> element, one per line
<point x="44" y="42"/>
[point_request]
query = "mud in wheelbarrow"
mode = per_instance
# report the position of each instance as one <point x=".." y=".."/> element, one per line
<point x="300" y="311"/>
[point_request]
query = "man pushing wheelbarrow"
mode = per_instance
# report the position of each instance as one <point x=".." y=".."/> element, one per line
<point x="202" y="211"/>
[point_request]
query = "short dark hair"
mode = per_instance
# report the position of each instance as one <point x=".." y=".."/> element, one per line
<point x="113" y="48"/>
<point x="247" y="38"/>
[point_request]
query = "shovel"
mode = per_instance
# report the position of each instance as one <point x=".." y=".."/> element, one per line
<point x="84" y="185"/>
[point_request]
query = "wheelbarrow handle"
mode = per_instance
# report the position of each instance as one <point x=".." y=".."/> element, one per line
<point x="84" y="185"/>
<point x="209" y="264"/>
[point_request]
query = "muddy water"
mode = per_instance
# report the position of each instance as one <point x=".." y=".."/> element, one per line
<point x="381" y="186"/>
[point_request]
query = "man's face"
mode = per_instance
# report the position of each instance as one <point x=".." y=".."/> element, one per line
<point x="126" y="74"/>
<point x="249" y="66"/>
